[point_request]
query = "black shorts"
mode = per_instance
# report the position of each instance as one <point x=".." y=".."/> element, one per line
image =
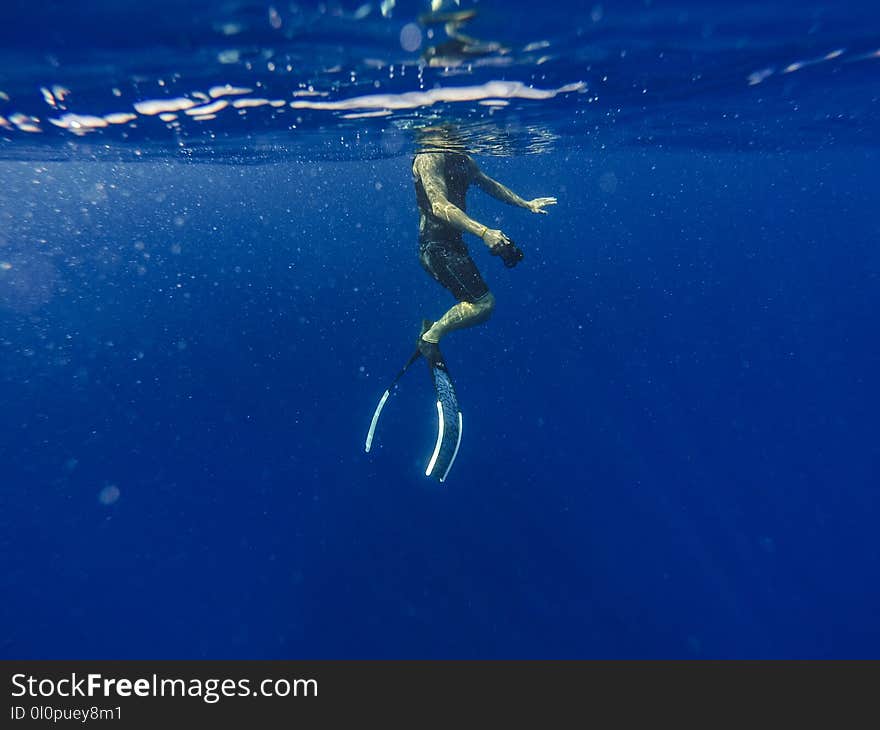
<point x="451" y="265"/>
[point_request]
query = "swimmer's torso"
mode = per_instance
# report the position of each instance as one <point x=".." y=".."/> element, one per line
<point x="431" y="169"/>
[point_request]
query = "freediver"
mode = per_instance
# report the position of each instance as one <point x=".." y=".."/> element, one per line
<point x="442" y="172"/>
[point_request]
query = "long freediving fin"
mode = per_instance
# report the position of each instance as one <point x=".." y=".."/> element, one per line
<point x="378" y="412"/>
<point x="449" y="424"/>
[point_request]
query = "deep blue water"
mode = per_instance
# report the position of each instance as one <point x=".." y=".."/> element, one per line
<point x="669" y="448"/>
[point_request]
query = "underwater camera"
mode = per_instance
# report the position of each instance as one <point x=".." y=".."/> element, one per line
<point x="510" y="253"/>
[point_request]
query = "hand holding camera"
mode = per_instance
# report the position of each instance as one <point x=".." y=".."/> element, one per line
<point x="500" y="245"/>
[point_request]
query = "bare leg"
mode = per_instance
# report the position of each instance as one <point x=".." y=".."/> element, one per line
<point x="463" y="314"/>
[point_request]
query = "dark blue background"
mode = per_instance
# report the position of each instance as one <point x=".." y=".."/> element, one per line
<point x="669" y="442"/>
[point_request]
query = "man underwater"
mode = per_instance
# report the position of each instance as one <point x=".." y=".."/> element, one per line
<point x="442" y="173"/>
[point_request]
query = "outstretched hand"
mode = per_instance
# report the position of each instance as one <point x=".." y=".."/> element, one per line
<point x="538" y="204"/>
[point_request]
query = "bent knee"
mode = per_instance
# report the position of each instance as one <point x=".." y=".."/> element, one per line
<point x="485" y="305"/>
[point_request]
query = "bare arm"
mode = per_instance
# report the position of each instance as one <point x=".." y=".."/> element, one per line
<point x="435" y="188"/>
<point x="506" y="195"/>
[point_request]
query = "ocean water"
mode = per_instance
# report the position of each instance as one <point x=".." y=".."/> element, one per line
<point x="208" y="276"/>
